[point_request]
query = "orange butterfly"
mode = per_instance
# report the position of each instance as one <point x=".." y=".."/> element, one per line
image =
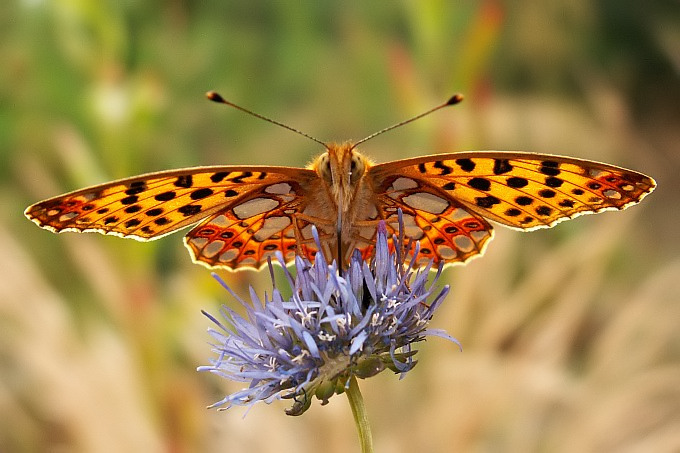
<point x="248" y="213"/>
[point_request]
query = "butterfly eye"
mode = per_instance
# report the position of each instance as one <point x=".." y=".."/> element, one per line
<point x="356" y="169"/>
<point x="324" y="168"/>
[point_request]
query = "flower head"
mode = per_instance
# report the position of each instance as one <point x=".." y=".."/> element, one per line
<point x="336" y="325"/>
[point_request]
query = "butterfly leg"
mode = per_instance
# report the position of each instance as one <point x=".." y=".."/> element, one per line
<point x="302" y="224"/>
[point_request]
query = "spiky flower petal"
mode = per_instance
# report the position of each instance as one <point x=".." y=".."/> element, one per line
<point x="336" y="325"/>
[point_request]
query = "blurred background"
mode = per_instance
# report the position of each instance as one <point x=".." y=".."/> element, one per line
<point x="571" y="335"/>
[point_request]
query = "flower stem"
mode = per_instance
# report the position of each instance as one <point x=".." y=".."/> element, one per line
<point x="356" y="402"/>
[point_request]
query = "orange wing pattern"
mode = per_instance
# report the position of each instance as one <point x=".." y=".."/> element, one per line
<point x="250" y="211"/>
<point x="271" y="218"/>
<point x="447" y="197"/>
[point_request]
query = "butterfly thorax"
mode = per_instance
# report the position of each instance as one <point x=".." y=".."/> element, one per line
<point x="342" y="169"/>
<point x="348" y="196"/>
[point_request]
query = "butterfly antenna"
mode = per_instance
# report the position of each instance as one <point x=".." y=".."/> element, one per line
<point x="216" y="97"/>
<point x="453" y="100"/>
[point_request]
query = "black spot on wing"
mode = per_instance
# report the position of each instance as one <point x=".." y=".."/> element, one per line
<point x="516" y="182"/>
<point x="524" y="201"/>
<point x="543" y="210"/>
<point x="480" y="184"/>
<point x="445" y="169"/>
<point x="486" y="202"/>
<point x="466" y="165"/>
<point x="184" y="181"/>
<point x="201" y="193"/>
<point x="136" y="188"/>
<point x="239" y="179"/>
<point x="551" y="181"/>
<point x="550" y="168"/>
<point x="130" y="200"/>
<point x="165" y="196"/>
<point x="501" y="166"/>
<point x="189" y="210"/>
<point x="132" y="209"/>
<point x="132" y="223"/>
<point x="219" y="176"/>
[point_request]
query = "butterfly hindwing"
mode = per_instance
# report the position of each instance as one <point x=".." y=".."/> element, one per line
<point x="245" y="234"/>
<point x="445" y="229"/>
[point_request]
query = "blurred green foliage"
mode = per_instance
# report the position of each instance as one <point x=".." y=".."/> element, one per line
<point x="568" y="334"/>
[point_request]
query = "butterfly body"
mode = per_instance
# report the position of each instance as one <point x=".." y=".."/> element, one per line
<point x="247" y="213"/>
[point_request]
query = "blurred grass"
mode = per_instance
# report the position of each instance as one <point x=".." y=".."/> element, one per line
<point x="570" y="335"/>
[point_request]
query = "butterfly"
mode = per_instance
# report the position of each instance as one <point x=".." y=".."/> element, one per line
<point x="245" y="214"/>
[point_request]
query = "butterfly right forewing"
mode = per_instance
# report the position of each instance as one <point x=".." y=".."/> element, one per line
<point x="521" y="190"/>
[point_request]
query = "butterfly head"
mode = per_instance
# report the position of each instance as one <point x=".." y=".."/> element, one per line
<point x="342" y="168"/>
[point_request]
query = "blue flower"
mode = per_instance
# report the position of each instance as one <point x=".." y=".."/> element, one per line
<point x="336" y="325"/>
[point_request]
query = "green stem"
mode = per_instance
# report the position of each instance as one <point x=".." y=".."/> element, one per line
<point x="356" y="402"/>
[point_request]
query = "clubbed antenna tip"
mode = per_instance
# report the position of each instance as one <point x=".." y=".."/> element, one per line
<point x="455" y="99"/>
<point x="215" y="97"/>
